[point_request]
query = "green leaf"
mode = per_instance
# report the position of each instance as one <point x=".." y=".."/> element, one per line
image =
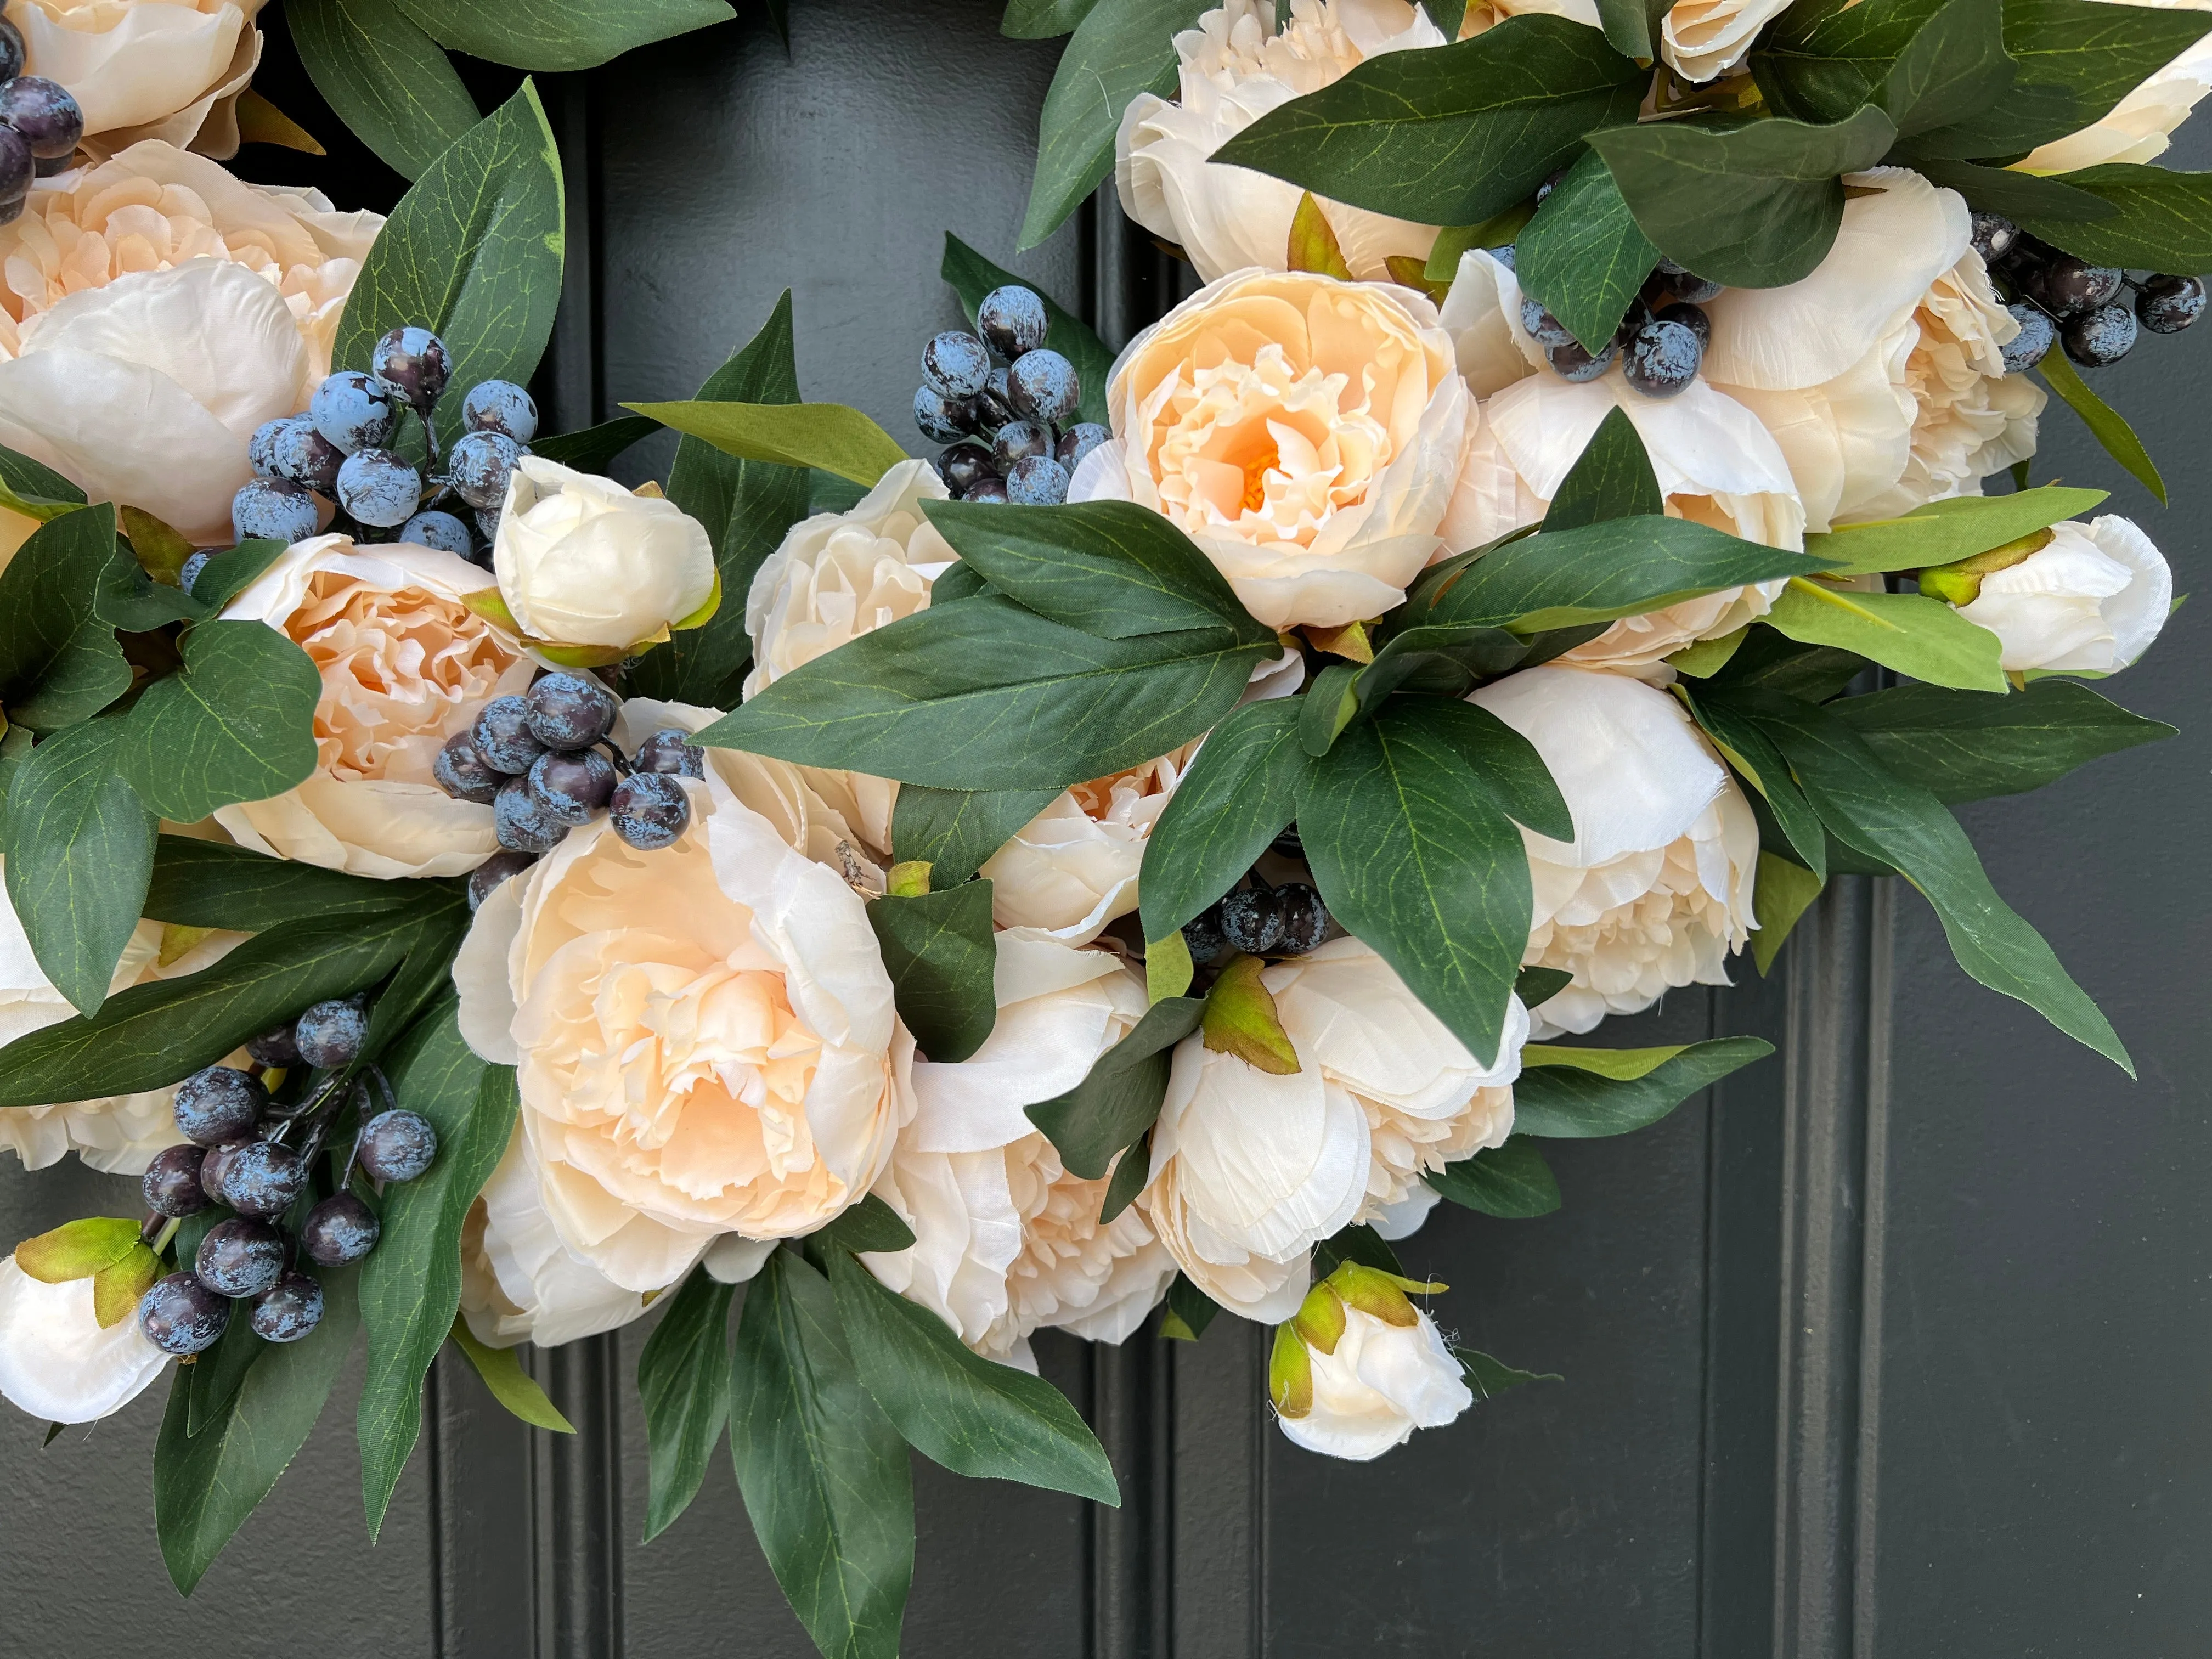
<point x="77" y="1249"/>
<point x="1961" y="746"/>
<point x="1883" y="817"/>
<point x="1578" y="1093"/>
<point x="1511" y="1181"/>
<point x="2106" y="423"/>
<point x="424" y="975"/>
<point x="206" y="1485"/>
<point x="594" y="448"/>
<point x="1412" y="853"/>
<point x="985" y="695"/>
<point x="206" y="883"/>
<point x="1753" y="206"/>
<point x="1926" y="63"/>
<point x="411" y="1284"/>
<point x="556" y="34"/>
<point x="823" y="1471"/>
<point x="1454" y="134"/>
<point x="35" y="489"/>
<point x="683" y="1384"/>
<point x="1631" y="27"/>
<point x="1910" y="633"/>
<point x="1189" y="1312"/>
<point x="1583" y="255"/>
<point x="1111" y="569"/>
<point x="1540" y="985"/>
<point x="1361" y="1244"/>
<point x="1782" y="892"/>
<point x="236" y="724"/>
<point x="1327" y="707"/>
<point x="472" y="252"/>
<point x="938" y="949"/>
<point x="967" y="1413"/>
<point x="869" y="1225"/>
<point x="1117" y="1101"/>
<point x="972" y="276"/>
<point x="955" y="831"/>
<point x="831" y="436"/>
<point x="59" y="664"/>
<point x="80" y="852"/>
<point x="1506" y="765"/>
<point x="1042" y="19"/>
<point x="1488" y="1377"/>
<point x="1768" y="662"/>
<point x="746" y="507"/>
<point x="1240" y="792"/>
<point x="384" y="77"/>
<point x="517" y="1392"/>
<point x="2161" y="219"/>
<point x="1944" y="531"/>
<point x="218" y="1373"/>
<point x="1611" y="478"/>
<point x="2018" y="196"/>
<point x="1749" y="749"/>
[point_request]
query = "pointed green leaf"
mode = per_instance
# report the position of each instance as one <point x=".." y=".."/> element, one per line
<point x="594" y="448"/>
<point x="236" y="723"/>
<point x="59" y="662"/>
<point x="955" y="831"/>
<point x="1511" y="1181"/>
<point x="831" y="436"/>
<point x="1961" y="746"/>
<point x="683" y="1384"/>
<point x="1926" y="63"/>
<point x="1583" y="256"/>
<point x="869" y="1225"/>
<point x="1611" y="478"/>
<point x="206" y="883"/>
<point x="1752" y="753"/>
<point x="1631" y="27"/>
<point x="1042" y="19"/>
<point x="1783" y="891"/>
<point x="516" y="1389"/>
<point x="2106" y="424"/>
<point x="554" y="34"/>
<point x="938" y="949"/>
<point x="1576" y="1093"/>
<point x="1120" y="1097"/>
<point x="1944" y="531"/>
<point x="1910" y="633"/>
<point x="1490" y="1378"/>
<point x="1241" y="791"/>
<point x="384" y="77"/>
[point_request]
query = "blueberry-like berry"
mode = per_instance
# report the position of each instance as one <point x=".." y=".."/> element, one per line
<point x="288" y="1310"/>
<point x="262" y="1178"/>
<point x="993" y="489"/>
<point x="942" y="419"/>
<point x="487" y="519"/>
<point x="1037" y="480"/>
<point x="2100" y="338"/>
<point x="272" y="509"/>
<point x="1693" y="290"/>
<point x="13" y="52"/>
<point x="1305" y="920"/>
<point x="671" y="751"/>
<point x="1993" y="236"/>
<point x="1202" y="934"/>
<point x="396" y="1146"/>
<point x="353" y="410"/>
<point x="261" y="448"/>
<point x="2070" y="285"/>
<point x="2028" y="347"/>
<point x="1662" y="358"/>
<point x="1017" y="441"/>
<point x="494" y="870"/>
<point x="1505" y="256"/>
<point x="440" y="530"/>
<point x="569" y="710"/>
<point x="172" y="1182"/>
<point x="989" y="410"/>
<point x="1012" y="320"/>
<point x="521" y="824"/>
<point x="217" y="1159"/>
<point x="413" y="364"/>
<point x="1572" y="362"/>
<point x="480" y="464"/>
<point x="339" y="1229"/>
<point x="461" y="772"/>
<point x="305" y="457"/>
<point x="329" y="1034"/>
<point x="2167" y="305"/>
<point x="961" y="466"/>
<point x="1252" y="921"/>
<point x="650" y="811"/>
<point x="277" y="1045"/>
<point x="1043" y="386"/>
<point x="957" y="364"/>
<point x="499" y="406"/>
<point x="218" y="1104"/>
<point x="502" y="736"/>
<point x="1541" y="326"/>
<point x="380" y="487"/>
<point x="240" y="1257"/>
<point x="571" y="788"/>
<point x="1690" y="317"/>
<point x="189" y="572"/>
<point x="1078" y="441"/>
<point x="180" y="1315"/>
<point x="45" y="113"/>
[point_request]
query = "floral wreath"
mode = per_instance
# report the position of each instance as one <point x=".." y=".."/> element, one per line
<point x="1142" y="858"/>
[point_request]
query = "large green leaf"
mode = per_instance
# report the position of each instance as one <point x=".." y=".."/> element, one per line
<point x="1961" y="746"/>
<point x="472" y="252"/>
<point x="1755" y="205"/>
<point x="205" y="1485"/>
<point x="984" y="695"/>
<point x="823" y="1471"/>
<point x="1910" y="633"/>
<point x="972" y="276"/>
<point x="559" y="34"/>
<point x="1926" y="63"/>
<point x="594" y="448"/>
<point x="2106" y="424"/>
<point x="411" y="1284"/>
<point x="1611" y="478"/>
<point x="1121" y="48"/>
<point x="1120" y="1097"/>
<point x="831" y="436"/>
<point x="1631" y="27"/>
<point x="424" y="976"/>
<point x="683" y="1384"/>
<point x="33" y="488"/>
<point x="972" y="1415"/>
<point x="206" y="883"/>
<point x="236" y="723"/>
<point x="1042" y="19"/>
<point x="746" y="507"/>
<point x="1753" y="754"/>
<point x="938" y="949"/>
<point x="1511" y="1181"/>
<point x="384" y="77"/>
<point x="1413" y="855"/>
<point x="516" y="1391"/>
<point x="59" y="662"/>
<point x="955" y="831"/>
<point x="1946" y="530"/>
<point x="1576" y="1093"/>
<point x="80" y="852"/>
<point x="2161" y="218"/>
<point x="2018" y="196"/>
<point x="1452" y="135"/>
<point x="1582" y="254"/>
<point x="1241" y="791"/>
<point x="1506" y="766"/>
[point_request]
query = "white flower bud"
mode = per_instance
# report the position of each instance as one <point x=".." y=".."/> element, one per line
<point x="581" y="560"/>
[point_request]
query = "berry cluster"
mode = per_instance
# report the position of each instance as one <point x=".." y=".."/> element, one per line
<point x="255" y="1155"/>
<point x="1659" y="344"/>
<point x="341" y="447"/>
<point x="39" y="125"/>
<point x="2060" y="299"/>
<point x="1008" y="429"/>
<point x="1263" y="919"/>
<point x="546" y="761"/>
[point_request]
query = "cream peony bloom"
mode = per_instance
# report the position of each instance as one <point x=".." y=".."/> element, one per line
<point x="1073" y="869"/>
<point x="1358" y="1372"/>
<point x="704" y="1036"/>
<point x="838" y="575"/>
<point x="1006" y="1241"/>
<point x="2092" y="599"/>
<point x="581" y="560"/>
<point x="1235" y="66"/>
<point x="405" y="664"/>
<point x="1702" y="39"/>
<point x="1655" y="890"/>
<point x="118" y="1133"/>
<point x="1306" y="432"/>
<point x="167" y="70"/>
<point x="2139" y="127"/>
<point x="1250" y="1170"/>
<point x="56" y="1362"/>
<point x="1880" y="374"/>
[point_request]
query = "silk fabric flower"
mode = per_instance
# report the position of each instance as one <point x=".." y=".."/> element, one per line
<point x="56" y="1363"/>
<point x="2093" y="599"/>
<point x="167" y="70"/>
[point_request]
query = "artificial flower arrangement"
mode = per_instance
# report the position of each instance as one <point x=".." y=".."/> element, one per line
<point x="1142" y="858"/>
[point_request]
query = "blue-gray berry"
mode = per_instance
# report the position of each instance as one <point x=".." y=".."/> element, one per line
<point x="339" y="1229"/>
<point x="180" y="1315"/>
<point x="1043" y="385"/>
<point x="502" y="735"/>
<point x="571" y="788"/>
<point x="1012" y="320"/>
<point x="942" y="419"/>
<point x="353" y="410"/>
<point x="262" y="1178"/>
<point x="992" y="487"/>
<point x="2097" y="338"/>
<point x="650" y="811"/>
<point x="218" y="1104"/>
<point x="240" y="1257"/>
<point x="1078" y="441"/>
<point x="288" y="1309"/>
<point x="261" y="448"/>
<point x="329" y="1034"/>
<point x="2167" y="305"/>
<point x="396" y="1146"/>
<point x="1572" y="362"/>
<point x="671" y="751"/>
<point x="1541" y="326"/>
<point x="1662" y="358"/>
<point x="1037" y="480"/>
<point x="272" y="509"/>
<point x="570" y="710"/>
<point x="957" y="364"/>
<point x="480" y="464"/>
<point x="189" y="571"/>
<point x="2032" y="343"/>
<point x="1017" y="441"/>
<point x="1252" y="921"/>
<point x="380" y="487"/>
<point x="440" y="530"/>
<point x="499" y="406"/>
<point x="278" y="1046"/>
<point x="461" y="772"/>
<point x="494" y="870"/>
<point x="1690" y="317"/>
<point x="521" y="823"/>
<point x="1305" y="920"/>
<point x="413" y="364"/>
<point x="305" y="457"/>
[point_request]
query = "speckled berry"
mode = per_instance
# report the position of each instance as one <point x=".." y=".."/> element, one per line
<point x="1690" y="317"/>
<point x="380" y="488"/>
<point x="570" y="710"/>
<point x="499" y="406"/>
<point x="1038" y="480"/>
<point x="180" y="1315"/>
<point x="2071" y="285"/>
<point x="189" y="572"/>
<point x="329" y="1034"/>
<point x="2167" y="305"/>
<point x="487" y="519"/>
<point x="461" y="772"/>
<point x="521" y="824"/>
<point x="339" y="1229"/>
<point x="218" y="1104"/>
<point x="2099" y="338"/>
<point x="650" y="811"/>
<point x="1252" y="921"/>
<point x="396" y="1146"/>
<point x="1202" y="933"/>
<point x="240" y="1257"/>
<point x="261" y="448"/>
<point x="272" y="509"/>
<point x="671" y="751"/>
<point x="262" y="1178"/>
<point x="479" y="466"/>
<point x="502" y="736"/>
<point x="494" y="870"/>
<point x="942" y="419"/>
<point x="440" y="530"/>
<point x="211" y="1166"/>
<point x="1993" y="236"/>
<point x="1288" y="845"/>
<point x="571" y="788"/>
<point x="288" y="1309"/>
<point x="413" y="364"/>
<point x="1017" y="441"/>
<point x="1541" y="326"/>
<point x="1572" y="362"/>
<point x="1693" y="290"/>
<point x="1662" y="358"/>
<point x="1505" y="256"/>
<point x="993" y="489"/>
<point x="45" y="113"/>
<point x="305" y="457"/>
<point x="276" y="1047"/>
<point x="1012" y="320"/>
<point x="353" y="410"/>
<point x="2033" y="342"/>
<point x="1078" y="441"/>
<point x="957" y="364"/>
<point x="1305" y="920"/>
<point x="961" y="466"/>
<point x="1043" y="386"/>
<point x="171" y="1185"/>
<point x="13" y="52"/>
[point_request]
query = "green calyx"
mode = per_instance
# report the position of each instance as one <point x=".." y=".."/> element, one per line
<point x="1961" y="582"/>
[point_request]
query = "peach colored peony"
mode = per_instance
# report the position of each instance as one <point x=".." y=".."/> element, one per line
<point x="170" y="69"/>
<point x="1072" y="868"/>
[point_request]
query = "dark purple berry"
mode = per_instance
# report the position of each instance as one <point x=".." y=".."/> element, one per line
<point x="1078" y="441"/>
<point x="288" y="1309"/>
<point x="2099" y="338"/>
<point x="440" y="530"/>
<point x="1037" y="480"/>
<point x="567" y="710"/>
<point x="461" y="773"/>
<point x="993" y="489"/>
<point x="180" y="1315"/>
<point x="521" y="824"/>
<point x="1252" y="921"/>
<point x="2167" y="305"/>
<point x="1012" y="320"/>
<point x="329" y="1034"/>
<point x="172" y="1182"/>
<point x="213" y="1165"/>
<point x="671" y="751"/>
<point x="305" y="457"/>
<point x="396" y="1146"/>
<point x="479" y="465"/>
<point x="45" y="113"/>
<point x="261" y="448"/>
<point x="650" y="811"/>
<point x="499" y="406"/>
<point x="353" y="410"/>
<point x="942" y="419"/>
<point x="989" y="409"/>
<point x="1305" y="920"/>
<point x="240" y="1257"/>
<point x="272" y="509"/>
<point x="339" y="1229"/>
<point x="1572" y="362"/>
<point x="961" y="466"/>
<point x="1693" y="290"/>
<point x="262" y="1178"/>
<point x="275" y="1047"/>
<point x="502" y="736"/>
<point x="1017" y="441"/>
<point x="1993" y="236"/>
<point x="1690" y="317"/>
<point x="494" y="870"/>
<point x="412" y="362"/>
<point x="1662" y="358"/>
<point x="955" y="364"/>
<point x="1541" y="326"/>
<point x="2070" y="285"/>
<point x="1202" y="933"/>
<point x="218" y="1104"/>
<point x="12" y="51"/>
<point x="1043" y="386"/>
<point x="2027" y="347"/>
<point x="571" y="788"/>
<point x="1551" y="182"/>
